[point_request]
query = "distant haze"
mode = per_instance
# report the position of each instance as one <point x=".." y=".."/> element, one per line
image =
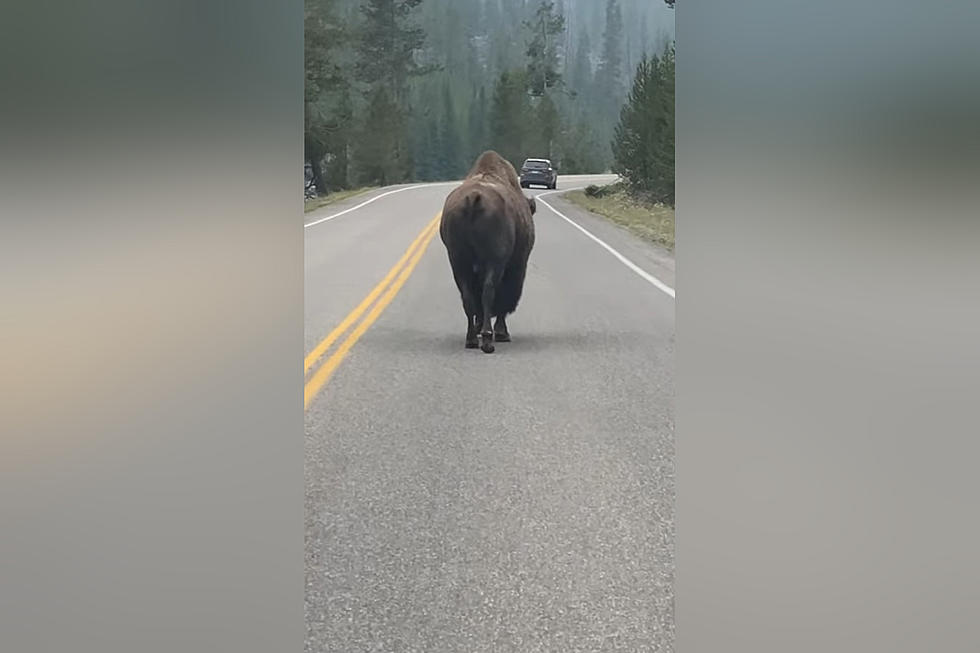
<point x="460" y="90"/>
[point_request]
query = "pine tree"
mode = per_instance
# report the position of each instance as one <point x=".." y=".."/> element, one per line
<point x="609" y="76"/>
<point x="547" y="124"/>
<point x="428" y="150"/>
<point x="339" y="142"/>
<point x="579" y="150"/>
<point x="547" y="30"/>
<point x="380" y="156"/>
<point x="388" y="43"/>
<point x="324" y="79"/>
<point x="508" y="114"/>
<point x="581" y="70"/>
<point x="663" y="157"/>
<point x="477" y="124"/>
<point x="450" y="139"/>
<point x="643" y="146"/>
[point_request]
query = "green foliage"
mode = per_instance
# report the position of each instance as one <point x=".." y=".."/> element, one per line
<point x="442" y="64"/>
<point x="478" y="125"/>
<point x="508" y="116"/>
<point x="450" y="139"/>
<point x="338" y="143"/>
<point x="609" y="76"/>
<point x="609" y="84"/>
<point x="387" y="42"/>
<point x="325" y="116"/>
<point x="643" y="146"/>
<point x="581" y="69"/>
<point x="426" y="148"/>
<point x="580" y="151"/>
<point x="547" y="126"/>
<point x="546" y="30"/>
<point x="321" y="37"/>
<point x="381" y="156"/>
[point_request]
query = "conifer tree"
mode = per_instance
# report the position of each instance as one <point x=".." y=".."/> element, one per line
<point x="581" y="69"/>
<point x="547" y="125"/>
<point x="450" y="138"/>
<point x="546" y="30"/>
<point x="478" y="124"/>
<point x="609" y="76"/>
<point x="388" y="42"/>
<point x="643" y="145"/>
<point x="508" y="116"/>
<point x="324" y="79"/>
<point x="381" y="153"/>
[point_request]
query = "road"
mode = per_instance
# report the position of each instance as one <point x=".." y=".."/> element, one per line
<point x="459" y="501"/>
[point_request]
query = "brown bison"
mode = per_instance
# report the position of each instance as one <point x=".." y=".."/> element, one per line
<point x="488" y="232"/>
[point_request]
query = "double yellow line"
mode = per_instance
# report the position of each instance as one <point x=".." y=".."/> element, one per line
<point x="386" y="289"/>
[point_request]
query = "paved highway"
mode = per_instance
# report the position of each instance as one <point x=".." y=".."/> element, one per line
<point x="459" y="501"/>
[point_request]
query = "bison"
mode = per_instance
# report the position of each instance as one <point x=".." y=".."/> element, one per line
<point x="488" y="232"/>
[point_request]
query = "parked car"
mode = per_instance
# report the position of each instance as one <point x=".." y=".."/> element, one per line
<point x="538" y="172"/>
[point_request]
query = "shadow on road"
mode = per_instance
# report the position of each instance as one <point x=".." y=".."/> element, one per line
<point x="524" y="342"/>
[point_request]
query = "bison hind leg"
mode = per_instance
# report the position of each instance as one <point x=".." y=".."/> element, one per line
<point x="470" y="292"/>
<point x="491" y="278"/>
<point x="507" y="296"/>
<point x="472" y="340"/>
<point x="500" y="332"/>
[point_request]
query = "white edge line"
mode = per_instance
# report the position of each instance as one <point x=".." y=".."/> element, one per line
<point x="660" y="285"/>
<point x="622" y="259"/>
<point x="376" y="197"/>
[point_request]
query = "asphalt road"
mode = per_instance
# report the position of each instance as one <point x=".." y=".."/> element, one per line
<point x="517" y="501"/>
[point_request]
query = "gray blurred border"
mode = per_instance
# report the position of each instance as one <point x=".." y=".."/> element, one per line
<point x="151" y="477"/>
<point x="150" y="266"/>
<point x="827" y="319"/>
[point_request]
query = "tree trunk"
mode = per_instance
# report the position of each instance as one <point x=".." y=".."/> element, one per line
<point x="315" y="163"/>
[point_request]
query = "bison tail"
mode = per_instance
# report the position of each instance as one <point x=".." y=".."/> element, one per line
<point x="472" y="202"/>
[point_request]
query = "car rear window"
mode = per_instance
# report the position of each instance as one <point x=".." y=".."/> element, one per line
<point x="535" y="164"/>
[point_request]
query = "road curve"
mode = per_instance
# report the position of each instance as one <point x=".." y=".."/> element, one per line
<point x="458" y="501"/>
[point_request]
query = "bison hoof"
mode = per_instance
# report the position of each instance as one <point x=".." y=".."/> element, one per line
<point x="486" y="342"/>
<point x="501" y="337"/>
<point x="472" y="344"/>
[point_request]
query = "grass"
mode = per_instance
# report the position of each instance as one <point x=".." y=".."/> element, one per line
<point x="330" y="198"/>
<point x="652" y="222"/>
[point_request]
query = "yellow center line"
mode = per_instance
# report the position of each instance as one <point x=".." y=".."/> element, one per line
<point x="324" y="345"/>
<point x="323" y="374"/>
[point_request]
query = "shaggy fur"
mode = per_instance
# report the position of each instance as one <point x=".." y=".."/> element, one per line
<point x="488" y="232"/>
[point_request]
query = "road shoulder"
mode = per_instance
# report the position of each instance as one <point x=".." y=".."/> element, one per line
<point x="331" y="199"/>
<point x="654" y="259"/>
<point x="351" y="202"/>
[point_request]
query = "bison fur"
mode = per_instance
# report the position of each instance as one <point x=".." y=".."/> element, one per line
<point x="488" y="230"/>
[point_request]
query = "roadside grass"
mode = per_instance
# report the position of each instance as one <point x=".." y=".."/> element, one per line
<point x="330" y="198"/>
<point x="648" y="220"/>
